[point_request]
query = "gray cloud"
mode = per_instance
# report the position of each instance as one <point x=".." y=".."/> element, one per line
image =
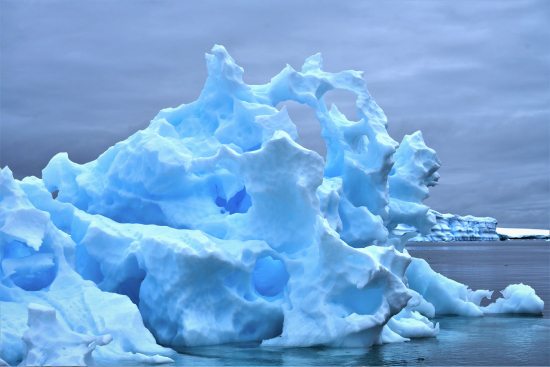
<point x="473" y="76"/>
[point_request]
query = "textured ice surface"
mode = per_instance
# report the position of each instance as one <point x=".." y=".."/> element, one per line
<point x="452" y="227"/>
<point x="213" y="225"/>
<point x="50" y="344"/>
<point x="46" y="275"/>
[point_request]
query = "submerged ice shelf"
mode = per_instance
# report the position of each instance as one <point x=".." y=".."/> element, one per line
<point x="213" y="225"/>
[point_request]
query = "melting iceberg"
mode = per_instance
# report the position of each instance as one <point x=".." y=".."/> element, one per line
<point x="213" y="225"/>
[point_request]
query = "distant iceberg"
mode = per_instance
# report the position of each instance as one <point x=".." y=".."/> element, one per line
<point x="452" y="227"/>
<point x="213" y="225"/>
<point x="523" y="234"/>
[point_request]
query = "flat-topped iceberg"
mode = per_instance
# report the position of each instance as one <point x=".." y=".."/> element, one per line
<point x="452" y="227"/>
<point x="213" y="225"/>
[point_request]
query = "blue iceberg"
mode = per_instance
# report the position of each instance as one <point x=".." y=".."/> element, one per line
<point x="213" y="225"/>
<point x="450" y="228"/>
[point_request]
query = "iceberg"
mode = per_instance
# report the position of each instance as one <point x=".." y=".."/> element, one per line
<point x="452" y="227"/>
<point x="214" y="225"/>
<point x="518" y="298"/>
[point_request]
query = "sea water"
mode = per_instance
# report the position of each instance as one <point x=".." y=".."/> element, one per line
<point x="513" y="340"/>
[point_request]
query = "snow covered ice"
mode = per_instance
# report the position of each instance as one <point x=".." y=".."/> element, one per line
<point x="213" y="225"/>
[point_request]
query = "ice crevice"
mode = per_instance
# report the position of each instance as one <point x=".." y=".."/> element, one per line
<point x="214" y="225"/>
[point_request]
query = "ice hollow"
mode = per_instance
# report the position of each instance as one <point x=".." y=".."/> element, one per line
<point x="214" y="225"/>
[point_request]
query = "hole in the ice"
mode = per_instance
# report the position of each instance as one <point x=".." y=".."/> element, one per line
<point x="142" y="212"/>
<point x="364" y="301"/>
<point x="55" y="194"/>
<point x="87" y="266"/>
<point x="28" y="269"/>
<point x="249" y="329"/>
<point x="486" y="302"/>
<point x="345" y="102"/>
<point x="239" y="203"/>
<point x="255" y="147"/>
<point x="35" y="281"/>
<point x="16" y="249"/>
<point x="309" y="128"/>
<point x="269" y="277"/>
<point x="130" y="287"/>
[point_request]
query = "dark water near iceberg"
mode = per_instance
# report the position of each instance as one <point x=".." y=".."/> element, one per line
<point x="472" y="341"/>
<point x="491" y="265"/>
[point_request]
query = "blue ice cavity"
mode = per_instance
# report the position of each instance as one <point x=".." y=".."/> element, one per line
<point x="269" y="277"/>
<point x="239" y="203"/>
<point x="214" y="225"/>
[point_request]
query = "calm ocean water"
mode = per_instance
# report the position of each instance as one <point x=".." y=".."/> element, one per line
<point x="471" y="341"/>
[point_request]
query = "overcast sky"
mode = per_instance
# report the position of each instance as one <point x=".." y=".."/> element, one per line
<point x="474" y="76"/>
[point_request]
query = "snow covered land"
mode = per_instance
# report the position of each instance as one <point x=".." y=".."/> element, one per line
<point x="213" y="225"/>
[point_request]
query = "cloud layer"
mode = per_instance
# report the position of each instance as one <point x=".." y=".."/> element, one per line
<point x="474" y="77"/>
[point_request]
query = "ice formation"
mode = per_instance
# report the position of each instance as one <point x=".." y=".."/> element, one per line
<point x="50" y="344"/>
<point x="213" y="225"/>
<point x="518" y="298"/>
<point x="452" y="227"/>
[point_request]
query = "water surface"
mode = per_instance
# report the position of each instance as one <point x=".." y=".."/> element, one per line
<point x="473" y="341"/>
<point x="491" y="265"/>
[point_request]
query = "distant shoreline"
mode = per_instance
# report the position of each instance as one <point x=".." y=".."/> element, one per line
<point x="522" y="233"/>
